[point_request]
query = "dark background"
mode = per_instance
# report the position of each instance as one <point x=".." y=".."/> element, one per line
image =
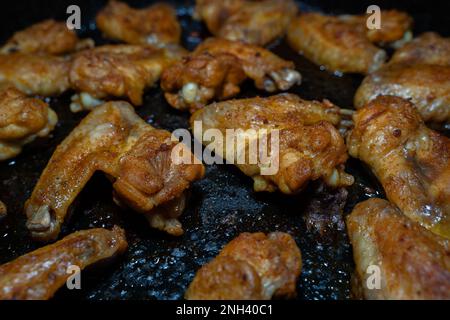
<point x="222" y="205"/>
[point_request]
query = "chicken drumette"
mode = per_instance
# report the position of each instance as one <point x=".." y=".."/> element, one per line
<point x="22" y="119"/>
<point x="255" y="22"/>
<point x="216" y="69"/>
<point x="413" y="262"/>
<point x="118" y="71"/>
<point x="344" y="43"/>
<point x="135" y="156"/>
<point x="419" y="72"/>
<point x="156" y="25"/>
<point x="253" y="266"/>
<point x="309" y="147"/>
<point x="39" y="274"/>
<point x="411" y="161"/>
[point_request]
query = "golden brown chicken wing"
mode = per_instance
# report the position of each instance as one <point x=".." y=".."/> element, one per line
<point x="413" y="262"/>
<point x="3" y="210"/>
<point x="309" y="147"/>
<point x="217" y="67"/>
<point x="22" y="119"/>
<point x="35" y="74"/>
<point x="48" y="36"/>
<point x="344" y="43"/>
<point x="253" y="266"/>
<point x="419" y="72"/>
<point x="135" y="156"/>
<point x="39" y="274"/>
<point x="118" y="71"/>
<point x="156" y="25"/>
<point x="411" y="161"/>
<point x="255" y="22"/>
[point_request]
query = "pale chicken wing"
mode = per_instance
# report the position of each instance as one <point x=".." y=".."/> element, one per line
<point x="39" y="274"/>
<point x="135" y="156"/>
<point x="155" y="25"/>
<point x="22" y="119"/>
<point x="309" y="147"/>
<point x="253" y="266"/>
<point x="413" y="262"/>
<point x="217" y="67"/>
<point x="411" y="161"/>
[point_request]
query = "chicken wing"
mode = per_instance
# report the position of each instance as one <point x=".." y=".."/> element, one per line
<point x="309" y="147"/>
<point x="255" y="22"/>
<point x="411" y="161"/>
<point x="344" y="43"/>
<point x="22" y="119"/>
<point x="217" y="67"/>
<point x="35" y="74"/>
<point x="419" y="72"/>
<point x="414" y="263"/>
<point x="156" y="25"/>
<point x="39" y="274"/>
<point x="253" y="266"/>
<point x="49" y="36"/>
<point x="135" y="156"/>
<point x="3" y="210"/>
<point x="118" y="71"/>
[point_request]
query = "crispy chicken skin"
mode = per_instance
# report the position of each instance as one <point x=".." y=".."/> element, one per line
<point x="217" y="67"/>
<point x="22" y="119"/>
<point x="344" y="43"/>
<point x="156" y="25"/>
<point x="118" y="71"/>
<point x="39" y="274"/>
<point x="35" y="74"/>
<point x="253" y="266"/>
<point x="411" y="161"/>
<point x="310" y="147"/>
<point x="135" y="156"/>
<point x="414" y="263"/>
<point x="49" y="36"/>
<point x="419" y="72"/>
<point x="255" y="22"/>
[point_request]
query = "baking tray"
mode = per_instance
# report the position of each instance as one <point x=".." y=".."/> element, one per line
<point x="223" y="204"/>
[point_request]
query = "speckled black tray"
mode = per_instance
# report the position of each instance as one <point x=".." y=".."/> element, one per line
<point x="158" y="266"/>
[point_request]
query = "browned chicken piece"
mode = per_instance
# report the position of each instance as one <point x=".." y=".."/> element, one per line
<point x="156" y="25"/>
<point x="344" y="43"/>
<point x="255" y="22"/>
<point x="253" y="266"/>
<point x="3" y="210"/>
<point x="419" y="72"/>
<point x="217" y="67"/>
<point x="411" y="161"/>
<point x="413" y="262"/>
<point x="39" y="274"/>
<point x="118" y="71"/>
<point x="22" y="119"/>
<point x="49" y="36"/>
<point x="309" y="147"/>
<point x="35" y="74"/>
<point x="135" y="156"/>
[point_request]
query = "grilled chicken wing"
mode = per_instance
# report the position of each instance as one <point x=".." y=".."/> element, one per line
<point x="254" y="22"/>
<point x="35" y="74"/>
<point x="414" y="263"/>
<point x="134" y="155"/>
<point x="49" y="36"/>
<point x="39" y="274"/>
<point x="344" y="43"/>
<point x="253" y="266"/>
<point x="118" y="71"/>
<point x="310" y="147"/>
<point x="411" y="161"/>
<point x="217" y="67"/>
<point x="22" y="119"/>
<point x="3" y="210"/>
<point x="156" y="25"/>
<point x="419" y="72"/>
